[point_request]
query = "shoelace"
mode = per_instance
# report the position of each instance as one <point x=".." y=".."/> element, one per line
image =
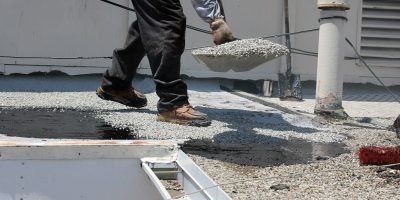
<point x="187" y="107"/>
<point x="137" y="93"/>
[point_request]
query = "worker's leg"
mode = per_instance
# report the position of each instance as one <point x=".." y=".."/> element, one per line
<point x="125" y="62"/>
<point x="162" y="28"/>
<point x="117" y="81"/>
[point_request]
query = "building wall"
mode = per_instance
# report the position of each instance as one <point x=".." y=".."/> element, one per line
<point x="59" y="28"/>
<point x="75" y="28"/>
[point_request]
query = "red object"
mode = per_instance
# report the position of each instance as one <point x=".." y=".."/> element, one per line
<point x="379" y="155"/>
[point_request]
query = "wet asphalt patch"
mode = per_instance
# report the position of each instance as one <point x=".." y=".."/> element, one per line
<point x="58" y="124"/>
<point x="277" y="152"/>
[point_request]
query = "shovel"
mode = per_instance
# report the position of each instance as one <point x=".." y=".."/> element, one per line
<point x="289" y="84"/>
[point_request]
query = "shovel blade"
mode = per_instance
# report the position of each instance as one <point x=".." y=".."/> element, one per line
<point x="225" y="63"/>
<point x="290" y="87"/>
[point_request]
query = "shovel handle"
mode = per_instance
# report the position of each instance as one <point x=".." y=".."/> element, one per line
<point x="287" y="31"/>
<point x="222" y="8"/>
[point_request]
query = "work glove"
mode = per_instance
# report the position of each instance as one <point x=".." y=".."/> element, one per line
<point x="221" y="31"/>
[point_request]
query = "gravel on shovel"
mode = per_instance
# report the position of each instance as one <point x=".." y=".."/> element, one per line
<point x="239" y="55"/>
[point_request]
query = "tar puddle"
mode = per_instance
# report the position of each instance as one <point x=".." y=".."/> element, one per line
<point x="58" y="124"/>
<point x="287" y="152"/>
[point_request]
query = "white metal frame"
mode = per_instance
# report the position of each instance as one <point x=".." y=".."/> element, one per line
<point x="49" y="170"/>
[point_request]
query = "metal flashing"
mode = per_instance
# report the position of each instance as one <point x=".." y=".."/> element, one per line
<point x="122" y="170"/>
<point x="87" y="149"/>
<point x="195" y="183"/>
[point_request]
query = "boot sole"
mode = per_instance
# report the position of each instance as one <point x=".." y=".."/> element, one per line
<point x="197" y="123"/>
<point x="108" y="97"/>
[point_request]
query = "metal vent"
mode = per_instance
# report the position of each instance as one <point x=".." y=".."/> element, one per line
<point x="380" y="32"/>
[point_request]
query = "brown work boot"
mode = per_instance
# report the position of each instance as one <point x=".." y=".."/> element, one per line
<point x="184" y="115"/>
<point x="129" y="97"/>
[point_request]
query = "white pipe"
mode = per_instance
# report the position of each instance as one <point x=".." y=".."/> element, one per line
<point x="329" y="87"/>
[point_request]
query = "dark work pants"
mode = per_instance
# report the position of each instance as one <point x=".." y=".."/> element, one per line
<point x="159" y="33"/>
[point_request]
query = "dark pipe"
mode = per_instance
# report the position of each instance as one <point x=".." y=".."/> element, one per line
<point x="287" y="30"/>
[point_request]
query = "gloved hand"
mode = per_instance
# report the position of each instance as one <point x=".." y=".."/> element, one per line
<point x="221" y="31"/>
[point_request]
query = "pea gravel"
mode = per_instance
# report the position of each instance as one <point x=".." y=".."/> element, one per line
<point x="239" y="55"/>
<point x="238" y="120"/>
<point x="234" y="120"/>
<point x="336" y="178"/>
<point x="244" y="48"/>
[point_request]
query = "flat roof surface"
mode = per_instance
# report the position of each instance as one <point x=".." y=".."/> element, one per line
<point x="247" y="139"/>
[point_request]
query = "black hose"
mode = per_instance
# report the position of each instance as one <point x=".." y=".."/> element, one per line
<point x="372" y="72"/>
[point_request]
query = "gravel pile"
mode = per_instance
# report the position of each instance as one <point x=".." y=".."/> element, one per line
<point x="245" y="48"/>
<point x="239" y="55"/>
